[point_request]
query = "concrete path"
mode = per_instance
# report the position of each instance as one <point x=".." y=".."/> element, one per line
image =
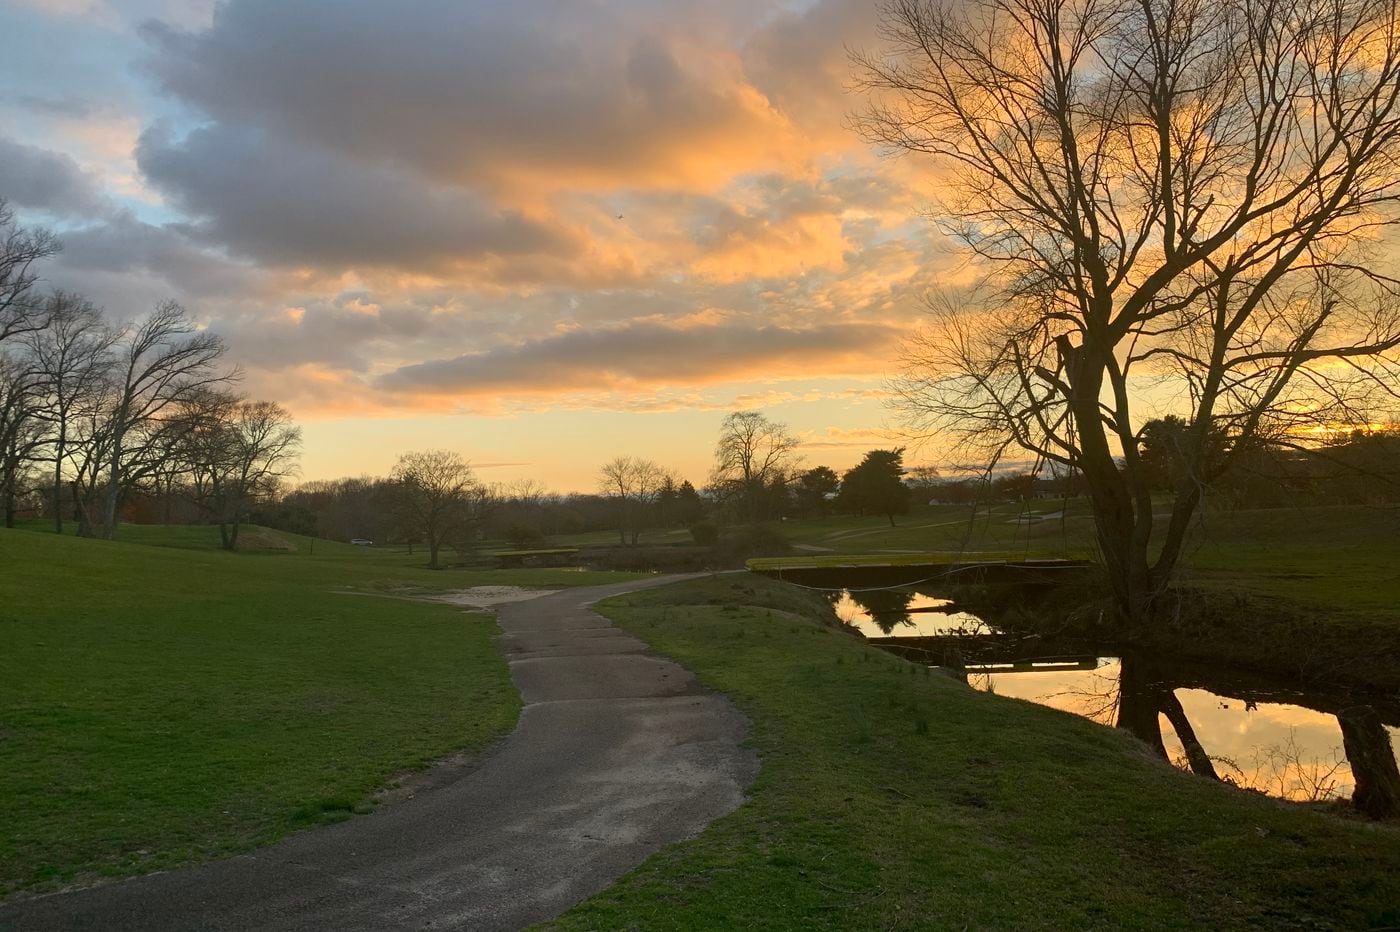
<point x="617" y="753"/>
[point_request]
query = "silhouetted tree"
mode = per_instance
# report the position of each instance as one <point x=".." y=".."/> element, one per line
<point x="1185" y="192"/>
<point x="814" y="489"/>
<point x="435" y="489"/>
<point x="633" y="484"/>
<point x="753" y="454"/>
<point x="876" y="485"/>
<point x="21" y="250"/>
<point x="239" y="451"/>
<point x="71" y="358"/>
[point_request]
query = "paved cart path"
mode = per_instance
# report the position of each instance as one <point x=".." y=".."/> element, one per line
<point x="617" y="753"/>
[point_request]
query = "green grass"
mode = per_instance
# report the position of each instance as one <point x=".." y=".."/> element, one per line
<point x="1342" y="561"/>
<point x="162" y="701"/>
<point x="890" y="797"/>
<point x="840" y="560"/>
<point x="610" y="538"/>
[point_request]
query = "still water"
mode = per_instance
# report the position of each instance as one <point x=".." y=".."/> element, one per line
<point x="1285" y="748"/>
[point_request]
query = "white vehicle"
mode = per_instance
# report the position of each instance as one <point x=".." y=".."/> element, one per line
<point x="361" y="542"/>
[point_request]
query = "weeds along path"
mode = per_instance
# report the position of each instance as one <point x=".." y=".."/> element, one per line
<point x="617" y="753"/>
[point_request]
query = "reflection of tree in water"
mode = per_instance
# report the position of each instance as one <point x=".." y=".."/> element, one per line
<point x="1145" y="690"/>
<point x="1096" y="699"/>
<point x="886" y="607"/>
<point x="1283" y="770"/>
<point x="1145" y="694"/>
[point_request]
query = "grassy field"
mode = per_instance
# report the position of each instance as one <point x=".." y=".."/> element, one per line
<point x="162" y="701"/>
<point x="893" y="798"/>
<point x="1341" y="561"/>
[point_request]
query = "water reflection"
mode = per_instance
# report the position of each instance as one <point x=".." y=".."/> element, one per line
<point x="903" y="612"/>
<point x="1238" y="726"/>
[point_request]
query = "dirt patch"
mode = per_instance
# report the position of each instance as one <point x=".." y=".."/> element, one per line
<point x="487" y="596"/>
<point x="407" y="784"/>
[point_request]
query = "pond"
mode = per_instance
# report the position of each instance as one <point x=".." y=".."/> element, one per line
<point x="1260" y="732"/>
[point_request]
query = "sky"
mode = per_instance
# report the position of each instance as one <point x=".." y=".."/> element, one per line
<point x="540" y="234"/>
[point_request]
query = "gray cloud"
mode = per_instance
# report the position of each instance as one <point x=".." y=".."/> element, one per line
<point x="67" y="105"/>
<point x="467" y="92"/>
<point x="281" y="203"/>
<point x="648" y="353"/>
<point x="128" y="265"/>
<point x="800" y="60"/>
<point x="48" y="181"/>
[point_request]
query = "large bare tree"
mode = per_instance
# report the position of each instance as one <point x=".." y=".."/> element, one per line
<point x="633" y="483"/>
<point x="237" y="454"/>
<point x="71" y="361"/>
<point x="22" y="432"/>
<point x="753" y="452"/>
<point x="1189" y="202"/>
<point x="161" y="363"/>
<point x="439" y="495"/>
<point x="21" y="250"/>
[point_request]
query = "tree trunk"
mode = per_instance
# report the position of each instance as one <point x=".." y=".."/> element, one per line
<point x="59" y="444"/>
<point x="80" y="511"/>
<point x="107" y="526"/>
<point x="10" y="479"/>
<point x="1140" y="703"/>
<point x="433" y="554"/>
<point x="1372" y="760"/>
<point x="1200" y="761"/>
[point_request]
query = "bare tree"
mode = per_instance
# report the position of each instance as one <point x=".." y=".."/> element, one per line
<point x="71" y="359"/>
<point x="753" y="452"/>
<point x="21" y="249"/>
<point x="238" y="452"/>
<point x="1180" y="192"/>
<point x="21" y="432"/>
<point x="162" y="362"/>
<point x="438" y="490"/>
<point x="633" y="484"/>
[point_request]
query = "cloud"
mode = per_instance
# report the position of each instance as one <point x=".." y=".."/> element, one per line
<point x="47" y="181"/>
<point x="649" y="354"/>
<point x="284" y="204"/>
<point x="836" y="438"/>
<point x="125" y="245"/>
<point x="555" y="93"/>
<point x="616" y="204"/>
<point x="799" y="60"/>
<point x="69" y="106"/>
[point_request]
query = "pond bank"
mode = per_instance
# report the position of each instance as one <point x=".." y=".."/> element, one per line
<point x="890" y="797"/>
<point x="1212" y="625"/>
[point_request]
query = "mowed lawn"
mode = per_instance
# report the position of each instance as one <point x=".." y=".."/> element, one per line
<point x="893" y="798"/>
<point x="1343" y="561"/>
<point x="160" y="705"/>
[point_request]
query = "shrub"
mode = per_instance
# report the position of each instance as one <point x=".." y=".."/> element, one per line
<point x="755" y="540"/>
<point x="525" y="536"/>
<point x="705" y="533"/>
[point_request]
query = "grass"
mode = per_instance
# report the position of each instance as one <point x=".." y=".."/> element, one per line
<point x="1341" y="561"/>
<point x="163" y="702"/>
<point x="838" y="561"/>
<point x="890" y="797"/>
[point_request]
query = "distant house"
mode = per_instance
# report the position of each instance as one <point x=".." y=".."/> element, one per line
<point x="1057" y="488"/>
